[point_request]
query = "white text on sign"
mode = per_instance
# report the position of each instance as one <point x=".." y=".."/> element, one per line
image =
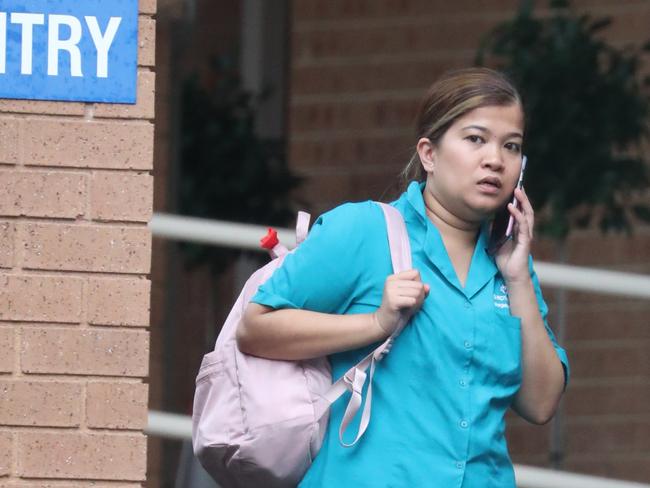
<point x="55" y="44"/>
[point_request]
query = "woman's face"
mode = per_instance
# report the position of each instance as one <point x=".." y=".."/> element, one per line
<point x="475" y="165"/>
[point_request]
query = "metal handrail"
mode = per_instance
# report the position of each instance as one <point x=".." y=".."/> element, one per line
<point x="179" y="427"/>
<point x="247" y="236"/>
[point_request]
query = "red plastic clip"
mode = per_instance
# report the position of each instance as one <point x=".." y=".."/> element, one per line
<point x="270" y="240"/>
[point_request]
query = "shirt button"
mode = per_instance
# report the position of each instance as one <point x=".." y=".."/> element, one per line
<point x="463" y="383"/>
<point x="468" y="305"/>
<point x="464" y="424"/>
<point x="467" y="344"/>
<point x="459" y="465"/>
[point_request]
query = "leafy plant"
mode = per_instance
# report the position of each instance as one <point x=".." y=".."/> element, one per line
<point x="228" y="171"/>
<point x="587" y="115"/>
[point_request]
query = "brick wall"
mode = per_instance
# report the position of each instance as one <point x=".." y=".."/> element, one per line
<point x="358" y="71"/>
<point x="74" y="295"/>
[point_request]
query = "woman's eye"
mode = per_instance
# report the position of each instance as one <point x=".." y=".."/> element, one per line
<point x="514" y="147"/>
<point x="475" y="139"/>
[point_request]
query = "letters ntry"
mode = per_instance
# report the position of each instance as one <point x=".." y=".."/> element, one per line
<point x="56" y="42"/>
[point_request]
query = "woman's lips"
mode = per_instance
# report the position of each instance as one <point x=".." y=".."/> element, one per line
<point x="488" y="188"/>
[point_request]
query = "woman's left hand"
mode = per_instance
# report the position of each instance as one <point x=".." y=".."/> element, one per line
<point x="512" y="257"/>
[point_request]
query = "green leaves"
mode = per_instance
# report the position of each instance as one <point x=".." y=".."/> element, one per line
<point x="228" y="171"/>
<point x="587" y="115"/>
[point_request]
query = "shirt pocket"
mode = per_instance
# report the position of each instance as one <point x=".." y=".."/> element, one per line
<point x="505" y="354"/>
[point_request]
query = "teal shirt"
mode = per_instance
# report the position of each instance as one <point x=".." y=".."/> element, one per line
<point x="440" y="396"/>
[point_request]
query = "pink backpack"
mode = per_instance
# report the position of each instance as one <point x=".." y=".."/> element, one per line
<point x="259" y="422"/>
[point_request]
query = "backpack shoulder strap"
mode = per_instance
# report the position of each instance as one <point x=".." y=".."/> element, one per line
<point x="354" y="379"/>
<point x="398" y="239"/>
<point x="302" y="227"/>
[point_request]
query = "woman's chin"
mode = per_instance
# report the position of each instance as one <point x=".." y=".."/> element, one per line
<point x="486" y="209"/>
<point x="484" y="212"/>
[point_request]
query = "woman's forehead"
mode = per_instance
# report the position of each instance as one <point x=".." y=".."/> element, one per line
<point x="495" y="118"/>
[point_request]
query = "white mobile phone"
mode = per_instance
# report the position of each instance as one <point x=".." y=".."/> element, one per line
<point x="503" y="223"/>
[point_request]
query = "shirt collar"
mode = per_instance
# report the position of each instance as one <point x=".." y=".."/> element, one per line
<point x="482" y="267"/>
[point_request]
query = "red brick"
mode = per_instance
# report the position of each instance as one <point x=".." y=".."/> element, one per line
<point x="612" y="398"/>
<point x="631" y="26"/>
<point x="82" y="456"/>
<point x="608" y="360"/>
<point x="368" y="77"/>
<point x="527" y="439"/>
<point x="609" y="5"/>
<point x="147" y="6"/>
<point x="377" y="185"/>
<point x="393" y="151"/>
<point x="85" y="352"/>
<point x="360" y="10"/>
<point x="607" y="323"/>
<point x="145" y="98"/>
<point x="6" y="450"/>
<point x="7" y="349"/>
<point x="116" y="405"/>
<point x="329" y="188"/>
<point x="362" y="115"/>
<point x="87" y="248"/>
<point x="9" y="140"/>
<point x="125" y="196"/>
<point x="88" y="144"/>
<point x="539" y="460"/>
<point x="587" y="299"/>
<point x="602" y="436"/>
<point x="624" y="466"/>
<point x="360" y="77"/>
<point x="119" y="301"/>
<point x="41" y="107"/>
<point x="595" y="249"/>
<point x="42" y="403"/>
<point x="7" y="233"/>
<point x="378" y="38"/>
<point x="42" y="194"/>
<point x="40" y="298"/>
<point x="333" y="188"/>
<point x="146" y="41"/>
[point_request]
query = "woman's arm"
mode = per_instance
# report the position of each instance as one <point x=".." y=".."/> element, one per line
<point x="542" y="382"/>
<point x="301" y="334"/>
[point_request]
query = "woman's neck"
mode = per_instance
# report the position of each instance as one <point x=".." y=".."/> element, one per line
<point x="452" y="228"/>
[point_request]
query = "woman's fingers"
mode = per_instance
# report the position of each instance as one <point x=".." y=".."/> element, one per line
<point x="403" y="295"/>
<point x="520" y="218"/>
<point x="414" y="285"/>
<point x="409" y="274"/>
<point x="526" y="209"/>
<point x="407" y="293"/>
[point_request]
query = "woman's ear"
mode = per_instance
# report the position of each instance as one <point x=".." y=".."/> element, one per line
<point x="427" y="152"/>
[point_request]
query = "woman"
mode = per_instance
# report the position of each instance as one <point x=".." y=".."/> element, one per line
<point x="477" y="342"/>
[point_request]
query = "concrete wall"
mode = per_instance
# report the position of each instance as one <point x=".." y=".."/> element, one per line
<point x="76" y="196"/>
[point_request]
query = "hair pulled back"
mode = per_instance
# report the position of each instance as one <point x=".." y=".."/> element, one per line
<point x="452" y="96"/>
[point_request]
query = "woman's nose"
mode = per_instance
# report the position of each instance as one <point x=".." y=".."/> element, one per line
<point x="493" y="162"/>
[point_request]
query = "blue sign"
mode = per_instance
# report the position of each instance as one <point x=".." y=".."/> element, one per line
<point x="71" y="50"/>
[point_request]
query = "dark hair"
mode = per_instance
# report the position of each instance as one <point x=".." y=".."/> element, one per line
<point x="452" y="96"/>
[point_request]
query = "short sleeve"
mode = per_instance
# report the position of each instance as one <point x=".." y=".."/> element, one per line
<point x="543" y="308"/>
<point x="323" y="274"/>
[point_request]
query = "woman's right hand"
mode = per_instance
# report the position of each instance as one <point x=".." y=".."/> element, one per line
<point x="403" y="296"/>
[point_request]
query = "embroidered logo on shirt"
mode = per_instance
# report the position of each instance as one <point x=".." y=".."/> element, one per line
<point x="501" y="297"/>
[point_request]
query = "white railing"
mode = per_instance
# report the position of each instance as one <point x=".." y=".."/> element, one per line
<point x="169" y="425"/>
<point x="174" y="426"/>
<point x="246" y="236"/>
